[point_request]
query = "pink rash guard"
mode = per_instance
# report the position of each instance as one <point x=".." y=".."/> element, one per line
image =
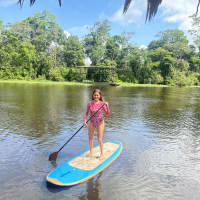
<point x="92" y="107"/>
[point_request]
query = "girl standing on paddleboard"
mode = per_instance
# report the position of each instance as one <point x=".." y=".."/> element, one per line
<point x="97" y="121"/>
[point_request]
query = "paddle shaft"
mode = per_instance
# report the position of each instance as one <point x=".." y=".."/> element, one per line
<point x="80" y="128"/>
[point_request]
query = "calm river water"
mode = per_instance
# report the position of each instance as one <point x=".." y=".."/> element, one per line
<point x="159" y="129"/>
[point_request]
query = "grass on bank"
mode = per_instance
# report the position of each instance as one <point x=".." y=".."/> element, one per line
<point x="45" y="82"/>
<point x="124" y="84"/>
<point x="86" y="83"/>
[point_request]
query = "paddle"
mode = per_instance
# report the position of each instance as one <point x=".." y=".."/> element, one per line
<point x="53" y="156"/>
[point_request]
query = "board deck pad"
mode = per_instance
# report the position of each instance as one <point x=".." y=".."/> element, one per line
<point x="83" y="167"/>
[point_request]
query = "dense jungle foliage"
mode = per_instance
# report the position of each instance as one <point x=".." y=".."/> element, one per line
<point x="38" y="48"/>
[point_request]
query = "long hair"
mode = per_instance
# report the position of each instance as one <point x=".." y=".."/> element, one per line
<point x="100" y="93"/>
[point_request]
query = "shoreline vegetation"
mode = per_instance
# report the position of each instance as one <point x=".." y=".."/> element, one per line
<point x="73" y="83"/>
<point x="38" y="49"/>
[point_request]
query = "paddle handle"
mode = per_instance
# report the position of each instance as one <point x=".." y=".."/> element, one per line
<point x="81" y="127"/>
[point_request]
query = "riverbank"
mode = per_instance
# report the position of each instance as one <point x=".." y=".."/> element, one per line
<point x="121" y="84"/>
<point x="124" y="84"/>
<point x="44" y="82"/>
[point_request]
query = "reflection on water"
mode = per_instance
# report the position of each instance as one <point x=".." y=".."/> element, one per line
<point x="159" y="129"/>
<point x="93" y="189"/>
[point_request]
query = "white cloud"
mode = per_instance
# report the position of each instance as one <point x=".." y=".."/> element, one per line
<point x="6" y="3"/>
<point x="143" y="46"/>
<point x="179" y="12"/>
<point x="170" y="11"/>
<point x="67" y="33"/>
<point x="134" y="14"/>
<point x="79" y="30"/>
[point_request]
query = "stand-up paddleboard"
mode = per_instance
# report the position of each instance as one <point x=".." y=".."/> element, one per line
<point x="83" y="167"/>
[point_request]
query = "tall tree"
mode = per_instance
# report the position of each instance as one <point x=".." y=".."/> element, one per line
<point x="195" y="30"/>
<point x="172" y="36"/>
<point x="16" y="57"/>
<point x="172" y="40"/>
<point x="95" y="42"/>
<point x="118" y="48"/>
<point x="1" y="25"/>
<point x="41" y="29"/>
<point x="73" y="53"/>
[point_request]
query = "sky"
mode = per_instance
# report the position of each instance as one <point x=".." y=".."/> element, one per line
<point x="76" y="15"/>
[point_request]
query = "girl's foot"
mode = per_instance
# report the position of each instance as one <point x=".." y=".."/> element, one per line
<point x="101" y="157"/>
<point x="89" y="154"/>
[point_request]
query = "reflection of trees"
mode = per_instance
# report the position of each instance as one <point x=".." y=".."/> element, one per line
<point x="175" y="116"/>
<point x="127" y="104"/>
<point x="93" y="189"/>
<point x="160" y="108"/>
<point x="45" y="110"/>
<point x="172" y="103"/>
<point x="36" y="110"/>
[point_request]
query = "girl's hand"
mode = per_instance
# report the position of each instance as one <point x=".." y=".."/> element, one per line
<point x="84" y="124"/>
<point x="107" y="112"/>
<point x="106" y="103"/>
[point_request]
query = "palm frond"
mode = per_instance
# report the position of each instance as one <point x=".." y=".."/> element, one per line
<point x="197" y="7"/>
<point x="126" y="5"/>
<point x="59" y="2"/>
<point x="152" y="8"/>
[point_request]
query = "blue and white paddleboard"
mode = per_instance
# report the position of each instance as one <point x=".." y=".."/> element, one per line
<point x="83" y="167"/>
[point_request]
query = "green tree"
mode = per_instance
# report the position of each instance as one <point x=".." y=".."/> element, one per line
<point x="95" y="42"/>
<point x="73" y="53"/>
<point x="41" y="30"/>
<point x="1" y="26"/>
<point x="154" y="44"/>
<point x="167" y="66"/>
<point x="16" y="58"/>
<point x="158" y="54"/>
<point x="195" y="64"/>
<point x="195" y="30"/>
<point x="172" y="36"/>
<point x="113" y="47"/>
<point x="179" y="49"/>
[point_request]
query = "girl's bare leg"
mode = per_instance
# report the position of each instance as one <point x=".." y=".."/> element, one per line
<point x="91" y="130"/>
<point x="100" y="130"/>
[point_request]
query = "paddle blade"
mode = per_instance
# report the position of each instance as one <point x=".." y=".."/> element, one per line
<point x="53" y="156"/>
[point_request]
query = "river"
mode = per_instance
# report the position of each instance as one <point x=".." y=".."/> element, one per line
<point x="158" y="127"/>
